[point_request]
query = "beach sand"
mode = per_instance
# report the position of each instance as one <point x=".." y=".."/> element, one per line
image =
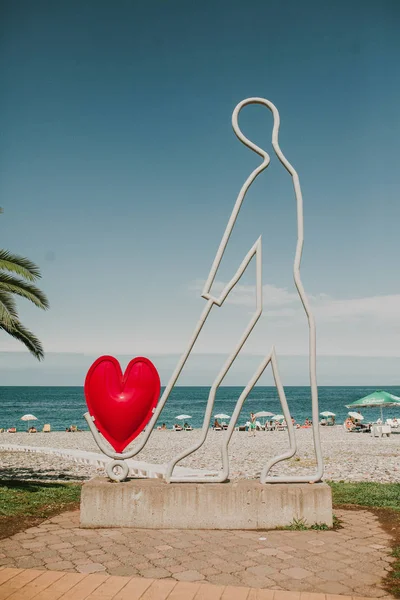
<point x="347" y="456"/>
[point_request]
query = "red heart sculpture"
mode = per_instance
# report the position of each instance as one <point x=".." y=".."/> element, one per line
<point x="121" y="404"/>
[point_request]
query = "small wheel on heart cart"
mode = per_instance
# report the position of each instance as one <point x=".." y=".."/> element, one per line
<point x="117" y="470"/>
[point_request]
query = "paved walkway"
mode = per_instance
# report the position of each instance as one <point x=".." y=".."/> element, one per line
<point x="352" y="560"/>
<point x="33" y="584"/>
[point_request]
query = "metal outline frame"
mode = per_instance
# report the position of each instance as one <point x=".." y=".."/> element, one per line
<point x="271" y="357"/>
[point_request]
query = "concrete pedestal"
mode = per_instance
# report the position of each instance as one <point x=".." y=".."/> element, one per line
<point x="245" y="504"/>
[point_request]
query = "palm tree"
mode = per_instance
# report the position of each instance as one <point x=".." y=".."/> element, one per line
<point x="17" y="275"/>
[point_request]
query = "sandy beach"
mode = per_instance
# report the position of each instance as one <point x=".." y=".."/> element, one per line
<point x="348" y="456"/>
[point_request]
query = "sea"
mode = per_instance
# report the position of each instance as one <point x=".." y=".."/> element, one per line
<point x="65" y="406"/>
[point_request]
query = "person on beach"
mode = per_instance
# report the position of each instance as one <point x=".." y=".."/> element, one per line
<point x="252" y="426"/>
<point x="163" y="427"/>
<point x="217" y="424"/>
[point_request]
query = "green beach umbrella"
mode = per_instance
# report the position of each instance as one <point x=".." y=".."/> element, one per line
<point x="376" y="399"/>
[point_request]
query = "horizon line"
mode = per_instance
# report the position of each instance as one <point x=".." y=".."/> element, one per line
<point x="377" y="387"/>
<point x="202" y="354"/>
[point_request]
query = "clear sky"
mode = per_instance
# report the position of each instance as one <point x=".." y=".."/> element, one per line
<point x="119" y="170"/>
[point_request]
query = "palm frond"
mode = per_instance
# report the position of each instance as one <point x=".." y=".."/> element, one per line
<point x="20" y="265"/>
<point x="14" y="285"/>
<point x="29" y="339"/>
<point x="8" y="308"/>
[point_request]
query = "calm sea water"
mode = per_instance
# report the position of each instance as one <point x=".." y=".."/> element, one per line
<point x="64" y="406"/>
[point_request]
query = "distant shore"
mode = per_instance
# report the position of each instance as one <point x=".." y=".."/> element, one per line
<point x="347" y="456"/>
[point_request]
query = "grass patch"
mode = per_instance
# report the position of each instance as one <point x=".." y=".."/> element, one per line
<point x="36" y="499"/>
<point x="393" y="579"/>
<point x="376" y="495"/>
<point x="301" y="525"/>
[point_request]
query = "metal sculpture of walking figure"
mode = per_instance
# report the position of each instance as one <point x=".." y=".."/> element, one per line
<point x="211" y="301"/>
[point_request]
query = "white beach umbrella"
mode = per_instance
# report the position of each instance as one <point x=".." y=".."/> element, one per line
<point x="277" y="418"/>
<point x="221" y="416"/>
<point x="264" y="413"/>
<point x="327" y="413"/>
<point x="183" y="417"/>
<point x="29" y="418"/>
<point x="356" y="415"/>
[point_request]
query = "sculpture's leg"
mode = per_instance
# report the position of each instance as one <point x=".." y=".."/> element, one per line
<point x="271" y="357"/>
<point x="265" y="478"/>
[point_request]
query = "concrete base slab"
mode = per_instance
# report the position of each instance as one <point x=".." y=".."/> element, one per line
<point x="244" y="504"/>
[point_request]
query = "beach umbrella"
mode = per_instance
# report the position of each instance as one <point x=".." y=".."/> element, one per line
<point x="29" y="418"/>
<point x="376" y="399"/>
<point x="264" y="413"/>
<point x="327" y="413"/>
<point x="221" y="416"/>
<point x="183" y="417"/>
<point x="356" y="416"/>
<point x="277" y="418"/>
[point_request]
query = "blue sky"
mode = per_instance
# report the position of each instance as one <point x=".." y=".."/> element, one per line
<point x="119" y="170"/>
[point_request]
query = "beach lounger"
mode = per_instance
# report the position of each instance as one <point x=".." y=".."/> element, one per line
<point x="46" y="428"/>
<point x="380" y="430"/>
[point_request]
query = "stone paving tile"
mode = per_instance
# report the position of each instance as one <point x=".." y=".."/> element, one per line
<point x="296" y="573"/>
<point x="91" y="568"/>
<point x="334" y="587"/>
<point x="324" y="562"/>
<point x="189" y="576"/>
